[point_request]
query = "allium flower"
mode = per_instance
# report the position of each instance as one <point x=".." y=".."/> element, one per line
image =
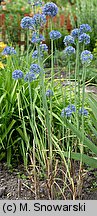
<point x="37" y="38"/>
<point x="83" y="111"/>
<point x="86" y="57"/>
<point x="27" y="23"/>
<point x="50" y="9"/>
<point x="35" y="69"/>
<point x="85" y="28"/>
<point x="66" y="112"/>
<point x="54" y="34"/>
<point x="84" y="38"/>
<point x="35" y="54"/>
<point x="43" y="48"/>
<point x="69" y="50"/>
<point x="30" y="77"/>
<point x="68" y="40"/>
<point x="49" y="93"/>
<point x="17" y="74"/>
<point x="71" y="107"/>
<point x="8" y="51"/>
<point x="39" y="20"/>
<point x="75" y="33"/>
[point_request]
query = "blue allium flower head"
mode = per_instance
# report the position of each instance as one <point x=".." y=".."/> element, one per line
<point x="29" y="77"/>
<point x="49" y="93"/>
<point x="66" y="112"/>
<point x="35" y="69"/>
<point x="69" y="50"/>
<point x="85" y="28"/>
<point x="37" y="38"/>
<point x="50" y="9"/>
<point x="17" y="74"/>
<point x="43" y="48"/>
<point x="84" y="38"/>
<point x="71" y="107"/>
<point x="27" y="23"/>
<point x="9" y="51"/>
<point x="54" y="34"/>
<point x="68" y="40"/>
<point x="86" y="57"/>
<point x="35" y="54"/>
<point x="83" y="111"/>
<point x="39" y="20"/>
<point x="75" y="33"/>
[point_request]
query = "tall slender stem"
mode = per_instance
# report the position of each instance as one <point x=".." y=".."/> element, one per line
<point x="77" y="86"/>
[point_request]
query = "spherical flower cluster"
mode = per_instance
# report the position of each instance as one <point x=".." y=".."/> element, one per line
<point x="27" y="23"/>
<point x="9" y="51"/>
<point x="68" y="40"/>
<point x="37" y="38"/>
<point x="72" y="107"/>
<point x="39" y="20"/>
<point x="54" y="34"/>
<point x="75" y="33"/>
<point x="85" y="28"/>
<point x="35" y="54"/>
<point x="68" y="111"/>
<point x="50" y="9"/>
<point x="34" y="68"/>
<point x="83" y="111"/>
<point x="86" y="57"/>
<point x="32" y="74"/>
<point x="17" y="74"/>
<point x="69" y="50"/>
<point x="49" y="93"/>
<point x="84" y="38"/>
<point x="43" y="48"/>
<point x="29" y="77"/>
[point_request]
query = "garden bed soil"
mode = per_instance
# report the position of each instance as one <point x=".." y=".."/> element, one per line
<point x="15" y="184"/>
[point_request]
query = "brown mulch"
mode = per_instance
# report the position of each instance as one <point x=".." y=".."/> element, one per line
<point x="15" y="184"/>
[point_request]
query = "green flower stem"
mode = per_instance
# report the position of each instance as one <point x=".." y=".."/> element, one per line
<point x="52" y="65"/>
<point x="27" y="47"/>
<point x="44" y="101"/>
<point x="52" y="59"/>
<point x="77" y="86"/>
<point x="83" y="100"/>
<point x="69" y="78"/>
<point x="51" y="147"/>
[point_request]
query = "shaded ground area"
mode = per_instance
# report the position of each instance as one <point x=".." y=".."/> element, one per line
<point x="16" y="184"/>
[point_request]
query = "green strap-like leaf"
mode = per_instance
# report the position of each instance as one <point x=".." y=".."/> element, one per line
<point x="92" y="162"/>
<point x="87" y="142"/>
